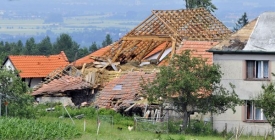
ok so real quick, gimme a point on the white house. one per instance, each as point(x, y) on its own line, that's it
point(34, 68)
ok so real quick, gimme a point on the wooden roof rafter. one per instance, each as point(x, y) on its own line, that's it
point(169, 26)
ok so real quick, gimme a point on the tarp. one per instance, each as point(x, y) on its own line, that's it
point(263, 35)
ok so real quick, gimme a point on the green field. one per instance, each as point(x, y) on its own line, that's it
point(49, 125)
point(70, 24)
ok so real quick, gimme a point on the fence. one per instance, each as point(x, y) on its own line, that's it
point(157, 125)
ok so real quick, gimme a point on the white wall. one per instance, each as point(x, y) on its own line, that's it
point(9, 65)
point(233, 67)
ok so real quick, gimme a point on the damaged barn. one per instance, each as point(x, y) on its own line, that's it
point(123, 94)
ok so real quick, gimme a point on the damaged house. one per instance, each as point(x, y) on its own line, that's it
point(114, 71)
point(247, 59)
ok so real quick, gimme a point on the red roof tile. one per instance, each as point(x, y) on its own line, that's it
point(129, 89)
point(65, 83)
point(87, 59)
point(38, 65)
point(200, 49)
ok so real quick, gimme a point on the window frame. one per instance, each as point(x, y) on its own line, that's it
point(254, 115)
point(255, 68)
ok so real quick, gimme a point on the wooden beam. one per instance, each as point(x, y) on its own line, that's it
point(145, 51)
point(168, 26)
point(131, 46)
point(173, 47)
point(146, 38)
point(118, 52)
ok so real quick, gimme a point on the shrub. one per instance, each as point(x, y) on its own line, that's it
point(199, 128)
point(174, 126)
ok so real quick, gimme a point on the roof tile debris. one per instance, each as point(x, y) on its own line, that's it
point(64, 83)
point(38, 65)
point(113, 97)
point(87, 59)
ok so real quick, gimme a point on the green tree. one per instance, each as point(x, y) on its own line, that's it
point(31, 47)
point(191, 85)
point(20, 47)
point(45, 46)
point(15, 92)
point(82, 52)
point(207, 4)
point(266, 101)
point(108, 40)
point(241, 22)
point(65, 43)
point(93, 47)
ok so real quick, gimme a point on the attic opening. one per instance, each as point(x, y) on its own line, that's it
point(118, 87)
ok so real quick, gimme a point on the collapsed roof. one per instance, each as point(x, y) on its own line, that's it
point(123, 91)
point(161, 31)
point(170, 27)
point(64, 83)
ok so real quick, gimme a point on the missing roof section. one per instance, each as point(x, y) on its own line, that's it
point(118, 87)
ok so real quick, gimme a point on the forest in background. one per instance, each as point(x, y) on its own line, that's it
point(64, 43)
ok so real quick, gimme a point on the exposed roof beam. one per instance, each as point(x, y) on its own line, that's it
point(146, 38)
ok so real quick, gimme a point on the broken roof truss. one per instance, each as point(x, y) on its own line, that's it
point(171, 26)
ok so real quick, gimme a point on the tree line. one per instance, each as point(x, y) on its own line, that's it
point(45, 47)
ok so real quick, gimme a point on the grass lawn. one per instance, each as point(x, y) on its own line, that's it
point(49, 125)
point(109, 132)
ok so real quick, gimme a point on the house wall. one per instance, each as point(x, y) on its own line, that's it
point(233, 67)
point(9, 65)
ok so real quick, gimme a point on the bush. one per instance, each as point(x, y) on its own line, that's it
point(118, 118)
point(199, 128)
point(174, 126)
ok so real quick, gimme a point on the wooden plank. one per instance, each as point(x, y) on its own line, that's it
point(83, 68)
point(113, 65)
point(173, 48)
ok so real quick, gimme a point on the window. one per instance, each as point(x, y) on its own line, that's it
point(256, 69)
point(253, 113)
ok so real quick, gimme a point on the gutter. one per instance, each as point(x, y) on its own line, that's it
point(241, 52)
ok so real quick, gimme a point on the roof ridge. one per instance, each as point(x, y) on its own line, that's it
point(62, 53)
